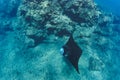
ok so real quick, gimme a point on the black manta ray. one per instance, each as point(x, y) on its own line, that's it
point(72, 52)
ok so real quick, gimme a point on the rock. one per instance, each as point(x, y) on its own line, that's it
point(95, 64)
point(59, 16)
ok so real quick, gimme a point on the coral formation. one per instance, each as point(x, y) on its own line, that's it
point(58, 18)
point(33, 39)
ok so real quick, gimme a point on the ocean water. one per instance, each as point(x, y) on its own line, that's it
point(31, 39)
point(110, 6)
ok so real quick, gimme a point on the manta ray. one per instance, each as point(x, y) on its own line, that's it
point(72, 52)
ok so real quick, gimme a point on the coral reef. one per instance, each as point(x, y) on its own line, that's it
point(41, 27)
point(58, 18)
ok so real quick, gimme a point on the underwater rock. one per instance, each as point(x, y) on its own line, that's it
point(37, 39)
point(58, 15)
point(53, 21)
point(80, 11)
point(95, 64)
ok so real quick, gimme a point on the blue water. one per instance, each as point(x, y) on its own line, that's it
point(9, 7)
point(111, 6)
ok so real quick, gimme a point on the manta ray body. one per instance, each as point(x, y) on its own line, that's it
point(72, 52)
